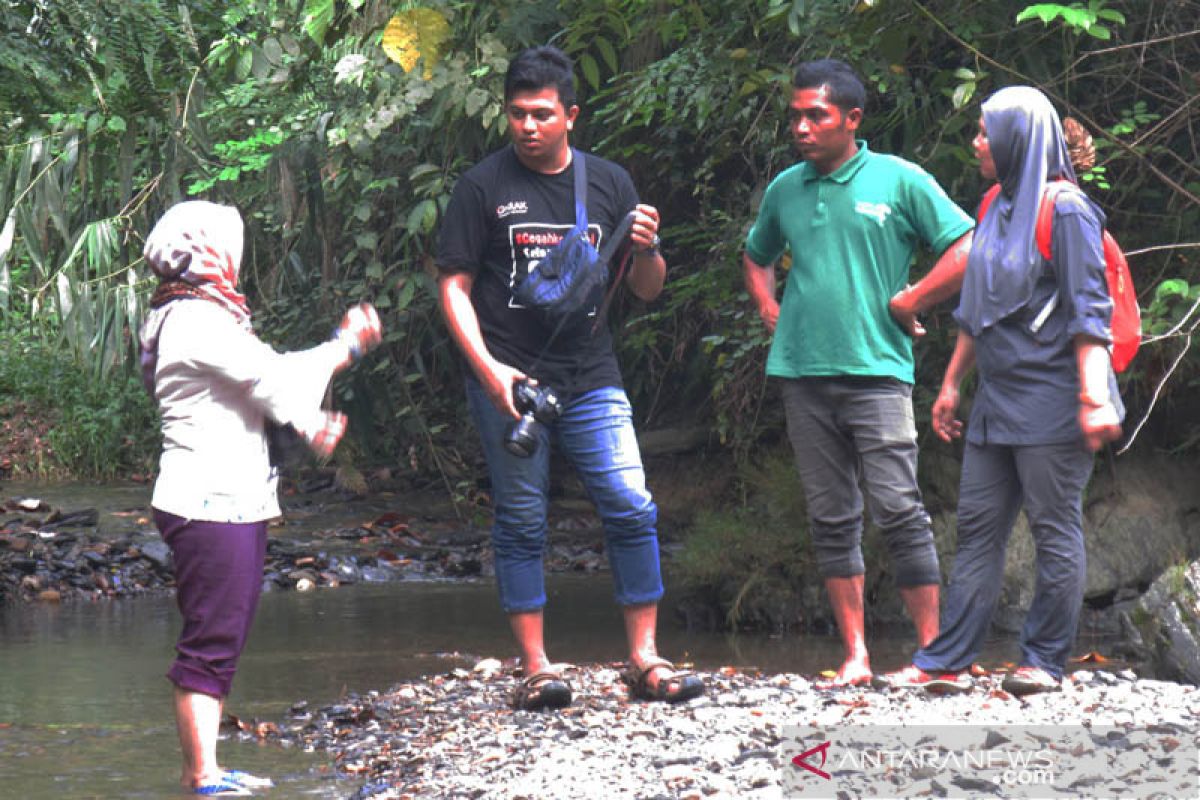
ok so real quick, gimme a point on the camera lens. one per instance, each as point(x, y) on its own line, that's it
point(520, 439)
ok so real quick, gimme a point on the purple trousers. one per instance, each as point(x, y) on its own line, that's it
point(218, 578)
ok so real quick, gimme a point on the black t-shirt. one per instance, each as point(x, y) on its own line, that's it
point(502, 217)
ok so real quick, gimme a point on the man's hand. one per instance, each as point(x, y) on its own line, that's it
point(497, 381)
point(946, 424)
point(903, 309)
point(942, 282)
point(760, 285)
point(1099, 423)
point(768, 311)
point(644, 231)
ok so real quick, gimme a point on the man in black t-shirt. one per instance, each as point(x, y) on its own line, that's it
point(505, 215)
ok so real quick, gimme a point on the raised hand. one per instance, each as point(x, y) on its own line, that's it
point(359, 330)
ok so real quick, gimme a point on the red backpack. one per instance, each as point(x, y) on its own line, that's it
point(1126, 315)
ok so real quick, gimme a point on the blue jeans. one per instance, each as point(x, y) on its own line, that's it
point(847, 429)
point(596, 434)
point(996, 480)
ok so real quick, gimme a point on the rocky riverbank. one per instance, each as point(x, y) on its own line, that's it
point(455, 736)
point(52, 554)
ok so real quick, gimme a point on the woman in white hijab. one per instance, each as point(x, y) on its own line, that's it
point(217, 385)
point(1037, 330)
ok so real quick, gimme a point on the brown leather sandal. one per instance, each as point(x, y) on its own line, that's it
point(545, 689)
point(681, 685)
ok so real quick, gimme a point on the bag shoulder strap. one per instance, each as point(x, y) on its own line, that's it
point(581, 217)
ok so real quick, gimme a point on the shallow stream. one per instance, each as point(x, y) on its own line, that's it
point(85, 709)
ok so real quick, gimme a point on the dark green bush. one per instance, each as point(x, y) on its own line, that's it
point(750, 564)
point(62, 421)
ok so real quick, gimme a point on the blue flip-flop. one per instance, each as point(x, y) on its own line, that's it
point(222, 788)
point(246, 780)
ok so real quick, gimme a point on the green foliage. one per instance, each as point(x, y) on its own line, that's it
point(96, 429)
point(1078, 17)
point(1132, 119)
point(751, 562)
point(342, 162)
point(1172, 299)
point(241, 158)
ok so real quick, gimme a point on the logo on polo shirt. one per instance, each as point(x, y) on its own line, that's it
point(876, 211)
point(508, 209)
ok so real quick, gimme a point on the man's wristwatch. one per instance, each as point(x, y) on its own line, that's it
point(652, 250)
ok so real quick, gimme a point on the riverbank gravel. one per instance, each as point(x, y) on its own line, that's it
point(455, 735)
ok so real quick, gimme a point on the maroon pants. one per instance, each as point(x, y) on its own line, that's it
point(218, 578)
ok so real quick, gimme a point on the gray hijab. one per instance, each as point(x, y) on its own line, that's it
point(1027, 145)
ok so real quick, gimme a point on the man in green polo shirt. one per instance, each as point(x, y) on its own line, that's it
point(852, 220)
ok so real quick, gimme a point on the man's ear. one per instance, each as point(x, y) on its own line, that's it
point(572, 113)
point(853, 119)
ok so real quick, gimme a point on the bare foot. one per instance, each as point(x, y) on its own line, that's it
point(854, 672)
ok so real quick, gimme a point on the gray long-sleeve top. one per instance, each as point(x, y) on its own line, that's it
point(1028, 388)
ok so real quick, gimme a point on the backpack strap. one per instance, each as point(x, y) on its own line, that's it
point(1045, 217)
point(1042, 235)
point(986, 202)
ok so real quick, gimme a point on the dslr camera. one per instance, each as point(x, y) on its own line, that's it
point(537, 404)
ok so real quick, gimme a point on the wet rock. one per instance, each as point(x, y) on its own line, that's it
point(59, 519)
point(26, 565)
point(158, 553)
point(302, 574)
point(348, 572)
point(377, 574)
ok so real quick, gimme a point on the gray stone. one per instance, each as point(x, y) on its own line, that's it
point(1168, 621)
point(158, 553)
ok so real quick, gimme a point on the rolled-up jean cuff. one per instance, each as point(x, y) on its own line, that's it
point(637, 600)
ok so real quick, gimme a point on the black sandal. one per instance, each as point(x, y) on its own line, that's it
point(681, 685)
point(545, 689)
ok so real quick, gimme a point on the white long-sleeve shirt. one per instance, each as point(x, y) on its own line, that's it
point(216, 383)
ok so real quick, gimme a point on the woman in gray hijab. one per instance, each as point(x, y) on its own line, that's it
point(1037, 330)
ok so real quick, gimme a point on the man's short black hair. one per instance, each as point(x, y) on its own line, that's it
point(539, 67)
point(845, 88)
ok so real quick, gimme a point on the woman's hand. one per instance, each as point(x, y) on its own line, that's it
point(1099, 423)
point(945, 409)
point(324, 432)
point(360, 330)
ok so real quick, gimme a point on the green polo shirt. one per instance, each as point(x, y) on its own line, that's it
point(852, 235)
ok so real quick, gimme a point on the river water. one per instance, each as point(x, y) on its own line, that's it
point(85, 711)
